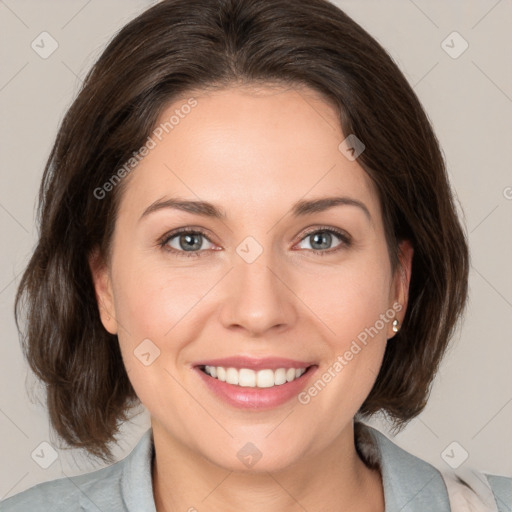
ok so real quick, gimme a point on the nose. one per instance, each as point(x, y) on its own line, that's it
point(258, 298)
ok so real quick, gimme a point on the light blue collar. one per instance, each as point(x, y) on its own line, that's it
point(410, 484)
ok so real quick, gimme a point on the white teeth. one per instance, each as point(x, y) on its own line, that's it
point(246, 377)
point(221, 373)
point(265, 378)
point(232, 376)
point(280, 376)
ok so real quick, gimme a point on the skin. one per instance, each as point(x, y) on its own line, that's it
point(253, 152)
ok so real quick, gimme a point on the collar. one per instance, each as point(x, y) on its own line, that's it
point(409, 482)
point(136, 479)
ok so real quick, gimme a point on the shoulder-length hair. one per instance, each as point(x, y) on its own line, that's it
point(182, 45)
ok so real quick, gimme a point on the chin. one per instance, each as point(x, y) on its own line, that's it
point(254, 457)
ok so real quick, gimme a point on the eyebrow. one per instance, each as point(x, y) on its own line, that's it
point(299, 209)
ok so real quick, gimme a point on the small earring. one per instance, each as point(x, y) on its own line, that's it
point(395, 325)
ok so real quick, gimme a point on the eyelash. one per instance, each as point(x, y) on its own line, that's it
point(345, 241)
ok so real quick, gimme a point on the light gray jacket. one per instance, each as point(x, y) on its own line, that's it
point(410, 485)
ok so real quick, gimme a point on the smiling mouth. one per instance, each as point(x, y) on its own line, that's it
point(246, 377)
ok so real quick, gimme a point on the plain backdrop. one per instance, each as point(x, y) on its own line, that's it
point(467, 95)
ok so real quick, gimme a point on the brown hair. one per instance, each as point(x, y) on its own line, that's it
point(182, 45)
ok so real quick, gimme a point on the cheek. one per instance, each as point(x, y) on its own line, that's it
point(157, 310)
point(352, 302)
point(151, 298)
point(351, 296)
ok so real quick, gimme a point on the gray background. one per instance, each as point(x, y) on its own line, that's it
point(469, 100)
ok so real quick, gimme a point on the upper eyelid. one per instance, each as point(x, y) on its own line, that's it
point(181, 231)
point(336, 231)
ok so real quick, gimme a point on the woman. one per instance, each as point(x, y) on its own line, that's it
point(229, 237)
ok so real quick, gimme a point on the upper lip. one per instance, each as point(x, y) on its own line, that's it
point(271, 363)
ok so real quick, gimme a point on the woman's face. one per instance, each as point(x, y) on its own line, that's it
point(268, 284)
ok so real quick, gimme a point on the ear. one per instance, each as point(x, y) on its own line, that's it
point(103, 287)
point(401, 281)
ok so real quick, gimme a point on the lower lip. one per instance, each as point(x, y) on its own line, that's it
point(256, 398)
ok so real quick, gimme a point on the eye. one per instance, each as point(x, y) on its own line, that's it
point(321, 240)
point(185, 242)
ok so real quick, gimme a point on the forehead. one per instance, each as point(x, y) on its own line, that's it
point(250, 149)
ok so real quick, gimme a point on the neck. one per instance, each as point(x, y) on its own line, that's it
point(334, 479)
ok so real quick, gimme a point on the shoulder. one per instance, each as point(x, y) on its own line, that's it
point(411, 483)
point(104, 489)
point(476, 491)
point(66, 493)
point(502, 489)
